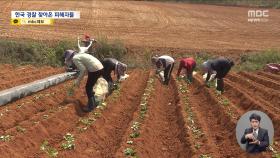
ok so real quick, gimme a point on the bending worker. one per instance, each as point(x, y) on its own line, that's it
point(167, 63)
point(111, 64)
point(86, 62)
point(222, 66)
point(189, 65)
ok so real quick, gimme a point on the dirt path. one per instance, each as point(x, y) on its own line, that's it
point(104, 137)
point(163, 133)
point(11, 77)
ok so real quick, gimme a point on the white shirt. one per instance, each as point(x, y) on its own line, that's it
point(256, 130)
point(86, 62)
point(83, 49)
point(169, 60)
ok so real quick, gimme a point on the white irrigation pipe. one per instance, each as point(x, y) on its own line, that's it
point(21, 91)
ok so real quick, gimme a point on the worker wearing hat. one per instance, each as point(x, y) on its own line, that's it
point(94, 68)
point(221, 66)
point(88, 44)
point(111, 64)
point(166, 63)
point(189, 65)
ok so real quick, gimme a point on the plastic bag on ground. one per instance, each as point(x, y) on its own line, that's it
point(124, 77)
point(272, 67)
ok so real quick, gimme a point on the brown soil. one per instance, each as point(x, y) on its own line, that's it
point(150, 24)
point(165, 131)
point(13, 76)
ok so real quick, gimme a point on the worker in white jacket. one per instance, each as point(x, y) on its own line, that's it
point(86, 63)
point(89, 42)
point(84, 49)
point(166, 63)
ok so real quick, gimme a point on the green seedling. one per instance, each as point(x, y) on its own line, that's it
point(204, 156)
point(183, 89)
point(45, 117)
point(20, 129)
point(197, 146)
point(142, 114)
point(97, 114)
point(69, 144)
point(197, 133)
point(144, 99)
point(116, 86)
point(225, 102)
point(82, 129)
point(87, 121)
point(134, 135)
point(143, 107)
point(37, 97)
point(129, 152)
point(19, 105)
point(52, 152)
point(135, 126)
point(5, 138)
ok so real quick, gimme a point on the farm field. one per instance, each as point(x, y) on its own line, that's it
point(180, 121)
point(150, 24)
point(142, 118)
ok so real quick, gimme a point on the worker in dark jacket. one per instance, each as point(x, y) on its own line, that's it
point(167, 63)
point(111, 64)
point(188, 64)
point(222, 66)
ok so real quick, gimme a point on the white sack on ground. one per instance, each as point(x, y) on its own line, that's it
point(101, 89)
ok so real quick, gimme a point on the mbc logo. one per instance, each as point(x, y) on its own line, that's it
point(258, 13)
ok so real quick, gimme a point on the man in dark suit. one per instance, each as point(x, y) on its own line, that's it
point(255, 138)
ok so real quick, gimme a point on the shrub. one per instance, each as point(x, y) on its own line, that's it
point(256, 61)
point(106, 49)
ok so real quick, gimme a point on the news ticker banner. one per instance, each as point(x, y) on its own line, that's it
point(41, 17)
